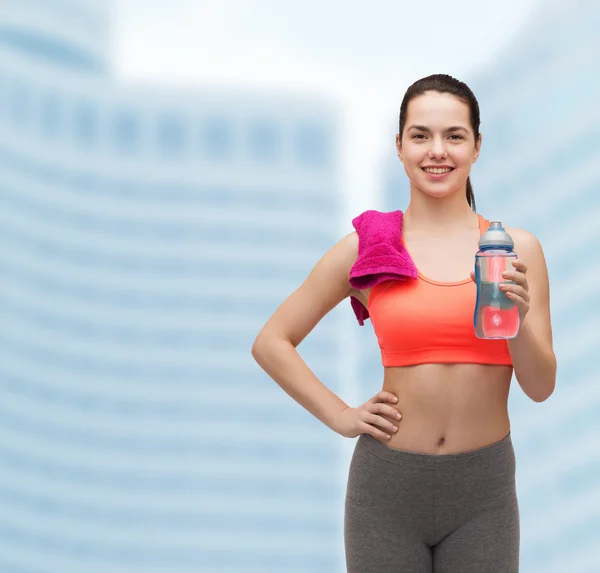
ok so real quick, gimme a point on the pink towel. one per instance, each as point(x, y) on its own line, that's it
point(381, 255)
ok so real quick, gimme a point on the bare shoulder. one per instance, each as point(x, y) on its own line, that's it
point(348, 253)
point(346, 249)
point(325, 287)
point(526, 243)
point(335, 264)
point(530, 251)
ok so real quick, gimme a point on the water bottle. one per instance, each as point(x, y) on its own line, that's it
point(496, 316)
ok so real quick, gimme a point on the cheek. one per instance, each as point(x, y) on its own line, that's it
point(413, 157)
point(462, 156)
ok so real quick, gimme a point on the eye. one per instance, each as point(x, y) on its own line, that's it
point(417, 136)
point(456, 135)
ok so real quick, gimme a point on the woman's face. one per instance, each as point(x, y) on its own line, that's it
point(438, 145)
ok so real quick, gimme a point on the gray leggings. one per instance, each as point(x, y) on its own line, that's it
point(408, 512)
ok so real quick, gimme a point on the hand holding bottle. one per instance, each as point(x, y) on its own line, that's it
point(519, 291)
point(501, 286)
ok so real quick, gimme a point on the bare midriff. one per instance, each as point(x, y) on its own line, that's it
point(448, 408)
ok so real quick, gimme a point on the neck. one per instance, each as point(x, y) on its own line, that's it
point(439, 214)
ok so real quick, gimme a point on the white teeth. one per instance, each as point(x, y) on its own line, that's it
point(436, 170)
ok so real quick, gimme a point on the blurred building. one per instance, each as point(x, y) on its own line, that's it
point(146, 236)
point(538, 171)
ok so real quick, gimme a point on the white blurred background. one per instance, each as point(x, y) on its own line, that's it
point(362, 56)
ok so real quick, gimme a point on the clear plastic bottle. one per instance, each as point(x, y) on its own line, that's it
point(496, 316)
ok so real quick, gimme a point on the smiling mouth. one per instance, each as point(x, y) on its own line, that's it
point(437, 170)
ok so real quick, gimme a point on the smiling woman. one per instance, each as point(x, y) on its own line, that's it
point(433, 470)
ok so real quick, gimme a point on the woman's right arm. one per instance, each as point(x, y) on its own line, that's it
point(275, 345)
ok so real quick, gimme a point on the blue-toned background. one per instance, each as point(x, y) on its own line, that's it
point(149, 228)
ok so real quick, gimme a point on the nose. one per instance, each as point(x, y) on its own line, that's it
point(437, 149)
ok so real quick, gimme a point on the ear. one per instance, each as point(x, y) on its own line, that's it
point(477, 148)
point(399, 147)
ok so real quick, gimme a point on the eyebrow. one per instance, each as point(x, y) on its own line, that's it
point(425, 128)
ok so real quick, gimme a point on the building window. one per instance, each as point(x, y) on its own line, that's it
point(216, 135)
point(51, 115)
point(126, 132)
point(19, 104)
point(264, 143)
point(85, 124)
point(171, 135)
point(312, 146)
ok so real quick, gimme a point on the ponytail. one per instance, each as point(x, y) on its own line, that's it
point(470, 195)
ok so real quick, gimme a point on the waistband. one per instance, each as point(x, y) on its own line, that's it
point(494, 450)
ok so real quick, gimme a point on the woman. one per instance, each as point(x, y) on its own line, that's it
point(432, 478)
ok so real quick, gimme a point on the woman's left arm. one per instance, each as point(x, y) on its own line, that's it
point(531, 351)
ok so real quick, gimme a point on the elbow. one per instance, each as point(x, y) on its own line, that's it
point(552, 377)
point(542, 397)
point(269, 340)
point(262, 345)
point(257, 347)
point(550, 385)
point(541, 392)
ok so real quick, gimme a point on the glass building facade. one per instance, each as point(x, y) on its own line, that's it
point(146, 235)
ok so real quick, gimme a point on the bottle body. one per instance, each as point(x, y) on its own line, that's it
point(496, 316)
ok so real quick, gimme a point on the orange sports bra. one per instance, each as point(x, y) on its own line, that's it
point(420, 321)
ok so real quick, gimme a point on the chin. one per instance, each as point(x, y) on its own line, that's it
point(438, 195)
point(438, 189)
point(437, 192)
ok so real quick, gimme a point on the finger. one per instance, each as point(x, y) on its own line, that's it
point(519, 301)
point(473, 276)
point(384, 396)
point(387, 410)
point(519, 264)
point(371, 430)
point(517, 277)
point(516, 290)
point(380, 422)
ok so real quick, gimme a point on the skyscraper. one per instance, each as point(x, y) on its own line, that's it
point(146, 235)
